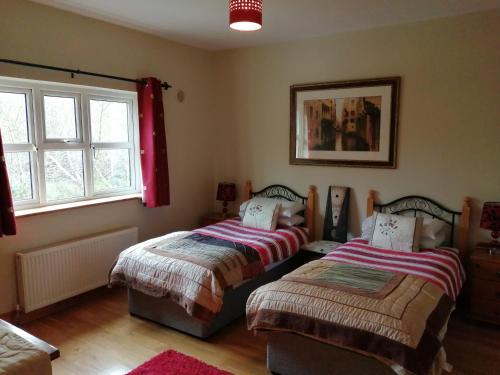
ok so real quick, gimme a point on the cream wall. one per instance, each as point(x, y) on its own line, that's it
point(234, 122)
point(44, 35)
point(449, 128)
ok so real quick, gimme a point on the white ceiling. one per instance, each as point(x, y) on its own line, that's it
point(204, 23)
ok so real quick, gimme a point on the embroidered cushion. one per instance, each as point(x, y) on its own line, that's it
point(288, 208)
point(261, 214)
point(396, 232)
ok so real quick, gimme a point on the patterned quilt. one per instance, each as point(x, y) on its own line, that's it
point(193, 269)
point(19, 357)
point(387, 304)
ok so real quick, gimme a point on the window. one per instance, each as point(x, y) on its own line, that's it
point(66, 143)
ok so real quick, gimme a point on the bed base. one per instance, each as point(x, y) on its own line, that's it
point(292, 354)
point(165, 312)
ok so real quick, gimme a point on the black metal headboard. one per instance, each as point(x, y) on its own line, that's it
point(417, 204)
point(280, 192)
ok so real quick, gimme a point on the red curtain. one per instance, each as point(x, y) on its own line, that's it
point(7, 218)
point(153, 144)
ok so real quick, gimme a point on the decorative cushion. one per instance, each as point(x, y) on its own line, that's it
point(288, 208)
point(261, 214)
point(396, 232)
point(290, 221)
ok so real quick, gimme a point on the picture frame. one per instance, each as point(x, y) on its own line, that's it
point(345, 123)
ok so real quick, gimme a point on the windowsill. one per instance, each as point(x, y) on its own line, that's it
point(68, 206)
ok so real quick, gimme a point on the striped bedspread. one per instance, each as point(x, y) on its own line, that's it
point(393, 306)
point(272, 246)
point(439, 266)
point(193, 269)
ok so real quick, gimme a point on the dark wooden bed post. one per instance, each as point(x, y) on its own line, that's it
point(463, 227)
point(247, 191)
point(310, 212)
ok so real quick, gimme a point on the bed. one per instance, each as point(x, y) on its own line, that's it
point(319, 326)
point(198, 281)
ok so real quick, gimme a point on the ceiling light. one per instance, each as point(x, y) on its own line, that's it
point(245, 15)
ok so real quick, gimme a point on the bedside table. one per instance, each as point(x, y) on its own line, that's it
point(316, 250)
point(485, 286)
point(216, 217)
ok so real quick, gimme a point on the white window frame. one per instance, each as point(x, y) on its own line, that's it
point(133, 134)
point(77, 97)
point(35, 91)
point(30, 146)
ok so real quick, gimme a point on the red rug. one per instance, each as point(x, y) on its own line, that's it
point(171, 362)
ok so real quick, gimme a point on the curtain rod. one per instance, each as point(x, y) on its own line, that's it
point(165, 85)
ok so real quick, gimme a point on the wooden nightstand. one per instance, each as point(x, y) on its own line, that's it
point(485, 286)
point(316, 250)
point(216, 217)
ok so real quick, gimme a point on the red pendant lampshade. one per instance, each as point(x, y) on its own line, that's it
point(245, 15)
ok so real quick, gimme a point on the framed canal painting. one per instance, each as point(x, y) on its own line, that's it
point(348, 123)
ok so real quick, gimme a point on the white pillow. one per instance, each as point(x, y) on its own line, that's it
point(396, 232)
point(261, 215)
point(288, 208)
point(367, 228)
point(433, 233)
point(429, 243)
point(291, 221)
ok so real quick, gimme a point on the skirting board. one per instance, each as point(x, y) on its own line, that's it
point(17, 317)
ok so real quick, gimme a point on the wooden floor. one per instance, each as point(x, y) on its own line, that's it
point(100, 337)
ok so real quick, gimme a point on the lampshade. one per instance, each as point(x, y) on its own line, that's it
point(245, 15)
point(226, 192)
point(490, 218)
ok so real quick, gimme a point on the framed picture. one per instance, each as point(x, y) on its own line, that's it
point(348, 123)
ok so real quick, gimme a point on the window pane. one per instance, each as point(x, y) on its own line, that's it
point(64, 174)
point(19, 170)
point(60, 117)
point(108, 121)
point(13, 118)
point(111, 169)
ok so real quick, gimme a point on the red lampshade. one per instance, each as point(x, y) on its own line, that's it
point(226, 192)
point(245, 15)
point(490, 219)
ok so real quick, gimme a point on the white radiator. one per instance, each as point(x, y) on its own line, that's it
point(64, 270)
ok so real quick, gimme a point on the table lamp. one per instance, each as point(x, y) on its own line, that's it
point(226, 192)
point(490, 220)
